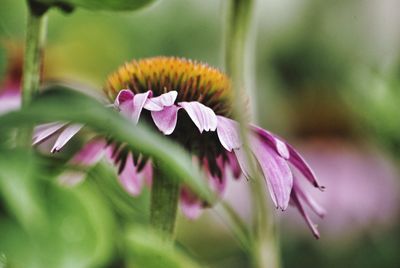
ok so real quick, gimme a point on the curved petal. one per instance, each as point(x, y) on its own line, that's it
point(298, 161)
point(243, 162)
point(129, 177)
point(65, 136)
point(280, 146)
point(123, 96)
point(164, 100)
point(166, 119)
point(228, 133)
point(44, 131)
point(276, 171)
point(131, 105)
point(320, 211)
point(202, 116)
point(191, 206)
point(89, 155)
point(138, 103)
point(234, 164)
point(296, 202)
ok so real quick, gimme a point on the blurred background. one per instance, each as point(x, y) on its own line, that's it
point(327, 78)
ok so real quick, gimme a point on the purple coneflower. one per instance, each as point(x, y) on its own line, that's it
point(192, 104)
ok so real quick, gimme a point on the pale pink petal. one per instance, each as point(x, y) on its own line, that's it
point(166, 119)
point(243, 162)
point(298, 161)
point(164, 100)
point(123, 96)
point(228, 133)
point(10, 100)
point(89, 155)
point(44, 131)
point(202, 116)
point(217, 182)
point(129, 177)
point(276, 171)
point(296, 202)
point(65, 136)
point(138, 103)
point(320, 211)
point(279, 145)
point(124, 102)
point(191, 206)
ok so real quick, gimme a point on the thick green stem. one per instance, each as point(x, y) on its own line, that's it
point(33, 58)
point(35, 39)
point(164, 204)
point(239, 66)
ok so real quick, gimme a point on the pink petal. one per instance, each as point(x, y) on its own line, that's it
point(89, 155)
point(131, 105)
point(10, 100)
point(298, 161)
point(299, 205)
point(217, 184)
point(164, 100)
point(279, 145)
point(138, 103)
point(276, 172)
point(65, 136)
point(202, 116)
point(191, 206)
point(228, 133)
point(124, 102)
point(166, 119)
point(243, 162)
point(234, 164)
point(44, 131)
point(131, 180)
point(320, 211)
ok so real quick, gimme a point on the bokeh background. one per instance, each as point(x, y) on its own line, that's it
point(327, 78)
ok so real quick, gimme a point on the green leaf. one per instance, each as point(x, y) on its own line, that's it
point(114, 5)
point(60, 104)
point(145, 249)
point(47, 225)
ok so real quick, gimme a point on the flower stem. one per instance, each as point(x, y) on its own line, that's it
point(33, 58)
point(34, 43)
point(239, 65)
point(164, 204)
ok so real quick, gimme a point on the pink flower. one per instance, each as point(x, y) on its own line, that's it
point(190, 103)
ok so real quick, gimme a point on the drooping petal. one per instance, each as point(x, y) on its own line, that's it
point(89, 155)
point(138, 103)
point(131, 105)
point(164, 100)
point(234, 165)
point(129, 177)
point(191, 206)
point(308, 200)
point(216, 178)
point(228, 133)
point(276, 171)
point(279, 145)
point(202, 116)
point(166, 119)
point(65, 136)
point(123, 96)
point(124, 102)
point(44, 131)
point(298, 161)
point(296, 202)
point(243, 162)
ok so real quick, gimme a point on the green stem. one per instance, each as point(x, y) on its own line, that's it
point(35, 39)
point(33, 58)
point(164, 204)
point(238, 63)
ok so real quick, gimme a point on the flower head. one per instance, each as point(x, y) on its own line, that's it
point(191, 103)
